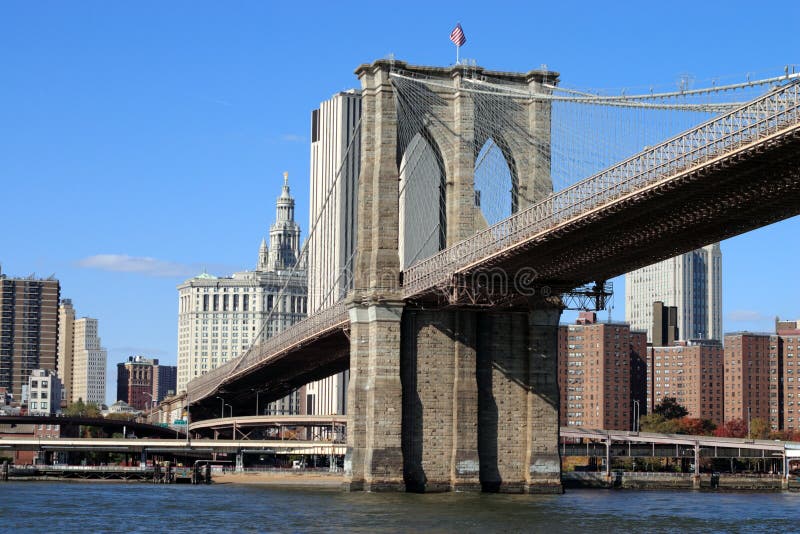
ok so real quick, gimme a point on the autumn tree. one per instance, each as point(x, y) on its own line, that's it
point(735, 428)
point(759, 429)
point(695, 426)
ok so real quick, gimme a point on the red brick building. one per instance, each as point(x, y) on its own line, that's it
point(600, 369)
point(690, 371)
point(752, 377)
point(788, 333)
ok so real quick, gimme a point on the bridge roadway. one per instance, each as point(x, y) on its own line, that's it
point(237, 424)
point(732, 174)
point(112, 425)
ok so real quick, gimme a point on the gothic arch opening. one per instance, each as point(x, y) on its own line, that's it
point(496, 184)
point(422, 209)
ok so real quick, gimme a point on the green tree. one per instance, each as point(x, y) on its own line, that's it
point(670, 409)
point(654, 422)
point(121, 416)
point(82, 409)
point(759, 429)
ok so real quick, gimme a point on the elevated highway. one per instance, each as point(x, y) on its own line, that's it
point(110, 426)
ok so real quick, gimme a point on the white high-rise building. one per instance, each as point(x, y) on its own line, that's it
point(88, 363)
point(692, 282)
point(335, 164)
point(81, 359)
point(219, 318)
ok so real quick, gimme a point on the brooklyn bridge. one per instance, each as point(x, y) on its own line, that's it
point(487, 203)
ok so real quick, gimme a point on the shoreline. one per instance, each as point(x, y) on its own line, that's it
point(315, 479)
point(622, 481)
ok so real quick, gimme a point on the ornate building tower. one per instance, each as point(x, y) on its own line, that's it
point(284, 235)
point(221, 318)
point(263, 256)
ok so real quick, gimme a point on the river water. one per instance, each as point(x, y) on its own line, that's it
point(56, 508)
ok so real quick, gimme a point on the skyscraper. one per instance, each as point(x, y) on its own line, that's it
point(88, 364)
point(219, 318)
point(66, 349)
point(166, 381)
point(335, 165)
point(692, 282)
point(28, 329)
point(81, 358)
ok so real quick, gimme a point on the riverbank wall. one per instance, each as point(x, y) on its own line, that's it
point(680, 481)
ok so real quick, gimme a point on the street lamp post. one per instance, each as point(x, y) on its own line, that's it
point(188, 418)
point(222, 408)
point(636, 415)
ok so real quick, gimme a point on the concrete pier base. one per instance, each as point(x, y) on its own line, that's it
point(374, 460)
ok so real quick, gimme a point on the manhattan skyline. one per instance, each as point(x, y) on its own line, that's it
point(143, 144)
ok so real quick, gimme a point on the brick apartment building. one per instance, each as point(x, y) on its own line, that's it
point(788, 333)
point(28, 329)
point(690, 371)
point(752, 377)
point(600, 373)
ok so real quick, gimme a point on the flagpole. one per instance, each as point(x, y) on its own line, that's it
point(458, 47)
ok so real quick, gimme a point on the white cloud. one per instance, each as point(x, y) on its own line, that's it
point(747, 316)
point(123, 263)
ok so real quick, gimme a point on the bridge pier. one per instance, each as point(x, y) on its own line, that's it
point(374, 460)
point(480, 401)
point(440, 401)
point(518, 401)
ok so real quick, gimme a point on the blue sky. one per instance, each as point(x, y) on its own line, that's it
point(156, 133)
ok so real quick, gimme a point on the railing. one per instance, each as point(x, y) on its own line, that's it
point(764, 116)
point(82, 468)
point(310, 327)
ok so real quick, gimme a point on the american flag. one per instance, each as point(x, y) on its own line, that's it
point(457, 35)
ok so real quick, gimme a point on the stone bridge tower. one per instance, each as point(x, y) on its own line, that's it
point(448, 397)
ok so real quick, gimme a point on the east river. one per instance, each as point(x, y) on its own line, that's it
point(57, 508)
